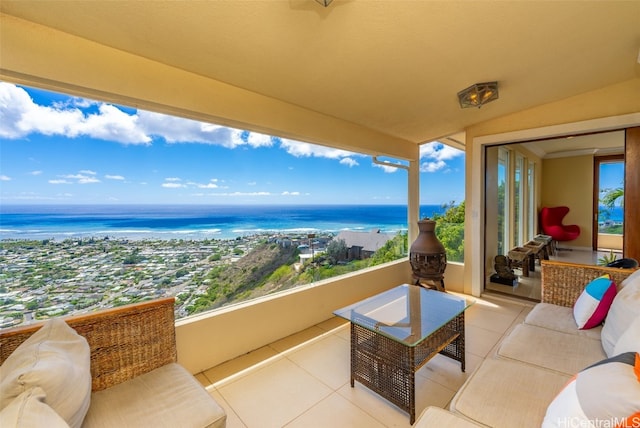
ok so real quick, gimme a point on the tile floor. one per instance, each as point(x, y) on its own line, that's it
point(303, 380)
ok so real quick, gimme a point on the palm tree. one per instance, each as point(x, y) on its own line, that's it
point(611, 196)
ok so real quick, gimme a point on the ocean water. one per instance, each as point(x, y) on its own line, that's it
point(195, 221)
point(615, 214)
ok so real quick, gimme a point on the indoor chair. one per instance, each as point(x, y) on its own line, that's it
point(551, 223)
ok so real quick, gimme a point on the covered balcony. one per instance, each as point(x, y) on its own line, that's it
point(378, 78)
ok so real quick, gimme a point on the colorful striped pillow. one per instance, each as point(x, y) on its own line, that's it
point(607, 394)
point(593, 304)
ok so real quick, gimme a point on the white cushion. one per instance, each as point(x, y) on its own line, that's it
point(29, 410)
point(605, 394)
point(553, 350)
point(168, 396)
point(630, 339)
point(559, 318)
point(504, 393)
point(56, 359)
point(438, 417)
point(624, 310)
point(633, 277)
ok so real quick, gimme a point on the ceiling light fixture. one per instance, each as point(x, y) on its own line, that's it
point(325, 3)
point(478, 94)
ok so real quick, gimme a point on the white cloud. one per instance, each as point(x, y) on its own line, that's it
point(209, 185)
point(179, 130)
point(114, 177)
point(172, 185)
point(5, 178)
point(59, 181)
point(88, 172)
point(20, 116)
point(35, 172)
point(432, 166)
point(386, 168)
point(85, 177)
point(173, 179)
point(350, 162)
point(436, 156)
point(300, 149)
point(286, 193)
point(259, 140)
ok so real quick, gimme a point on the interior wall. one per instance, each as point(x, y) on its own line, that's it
point(568, 181)
point(611, 107)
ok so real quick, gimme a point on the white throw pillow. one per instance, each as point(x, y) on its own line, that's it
point(607, 394)
point(29, 410)
point(56, 359)
point(630, 339)
point(623, 311)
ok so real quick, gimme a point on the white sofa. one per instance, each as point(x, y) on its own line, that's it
point(113, 368)
point(515, 386)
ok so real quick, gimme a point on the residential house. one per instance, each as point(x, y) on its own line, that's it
point(362, 245)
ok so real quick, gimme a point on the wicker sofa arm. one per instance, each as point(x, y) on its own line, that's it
point(125, 342)
point(563, 282)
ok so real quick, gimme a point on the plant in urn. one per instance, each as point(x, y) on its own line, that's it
point(428, 256)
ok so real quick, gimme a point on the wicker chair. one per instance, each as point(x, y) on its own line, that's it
point(126, 343)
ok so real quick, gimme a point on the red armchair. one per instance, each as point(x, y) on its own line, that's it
point(551, 223)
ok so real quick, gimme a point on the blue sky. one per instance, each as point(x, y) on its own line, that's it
point(611, 175)
point(57, 149)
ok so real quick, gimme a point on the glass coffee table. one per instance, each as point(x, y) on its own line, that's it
point(395, 333)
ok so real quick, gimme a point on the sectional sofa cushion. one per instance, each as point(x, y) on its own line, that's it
point(607, 393)
point(56, 359)
point(624, 310)
point(504, 393)
point(147, 399)
point(29, 410)
point(438, 417)
point(630, 339)
point(633, 277)
point(553, 350)
point(559, 318)
point(594, 302)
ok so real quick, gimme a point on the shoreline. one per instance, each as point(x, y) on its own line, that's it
point(177, 234)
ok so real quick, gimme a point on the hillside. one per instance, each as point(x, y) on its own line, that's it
point(246, 278)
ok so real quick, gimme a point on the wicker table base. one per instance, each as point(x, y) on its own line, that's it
point(388, 367)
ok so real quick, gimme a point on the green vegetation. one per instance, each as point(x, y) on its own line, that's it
point(607, 258)
point(450, 230)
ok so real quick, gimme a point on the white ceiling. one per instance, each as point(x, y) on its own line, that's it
point(601, 144)
point(394, 66)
